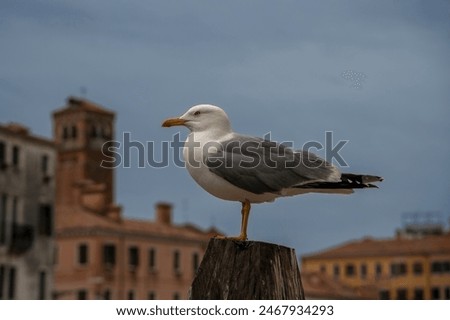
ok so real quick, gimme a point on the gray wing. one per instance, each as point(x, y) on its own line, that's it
point(260, 166)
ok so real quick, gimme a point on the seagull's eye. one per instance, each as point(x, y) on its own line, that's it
point(196, 113)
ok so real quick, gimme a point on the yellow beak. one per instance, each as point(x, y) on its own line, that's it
point(173, 122)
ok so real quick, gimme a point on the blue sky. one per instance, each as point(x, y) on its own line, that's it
point(276, 67)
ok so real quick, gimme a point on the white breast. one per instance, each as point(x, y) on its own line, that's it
point(212, 183)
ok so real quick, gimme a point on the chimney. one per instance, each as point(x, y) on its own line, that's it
point(163, 213)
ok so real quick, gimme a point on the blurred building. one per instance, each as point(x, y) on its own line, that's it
point(100, 254)
point(27, 188)
point(413, 265)
point(319, 286)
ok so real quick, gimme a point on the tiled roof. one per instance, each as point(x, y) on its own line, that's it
point(317, 285)
point(19, 131)
point(369, 247)
point(77, 221)
point(75, 104)
point(162, 229)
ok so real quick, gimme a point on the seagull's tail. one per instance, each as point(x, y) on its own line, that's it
point(348, 181)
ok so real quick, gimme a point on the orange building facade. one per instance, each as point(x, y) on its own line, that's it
point(100, 254)
point(398, 268)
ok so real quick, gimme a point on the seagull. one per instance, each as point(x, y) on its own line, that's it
point(237, 167)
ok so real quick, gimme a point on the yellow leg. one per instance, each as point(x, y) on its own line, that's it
point(245, 212)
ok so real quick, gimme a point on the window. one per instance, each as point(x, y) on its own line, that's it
point(378, 270)
point(65, 134)
point(195, 262)
point(3, 200)
point(152, 259)
point(83, 254)
point(15, 205)
point(93, 132)
point(82, 294)
point(44, 164)
point(107, 295)
point(323, 269)
point(446, 266)
point(440, 267)
point(350, 270)
point(398, 269)
point(402, 294)
point(417, 268)
point(384, 295)
point(15, 156)
point(2, 155)
point(45, 227)
point(42, 285)
point(363, 271)
point(176, 260)
point(2, 280)
point(436, 267)
point(133, 256)
point(14, 217)
point(12, 283)
point(435, 293)
point(109, 254)
point(176, 296)
point(131, 295)
point(152, 295)
point(336, 271)
point(418, 294)
point(74, 132)
point(447, 293)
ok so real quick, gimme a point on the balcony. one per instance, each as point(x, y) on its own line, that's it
point(22, 238)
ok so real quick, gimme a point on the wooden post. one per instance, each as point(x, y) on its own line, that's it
point(247, 270)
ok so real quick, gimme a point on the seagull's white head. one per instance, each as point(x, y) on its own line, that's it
point(202, 117)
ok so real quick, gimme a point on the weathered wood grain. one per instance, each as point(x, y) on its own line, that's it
point(247, 270)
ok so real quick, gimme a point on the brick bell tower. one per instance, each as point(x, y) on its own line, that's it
point(80, 129)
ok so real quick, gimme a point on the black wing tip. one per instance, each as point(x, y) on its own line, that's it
point(348, 181)
point(361, 178)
